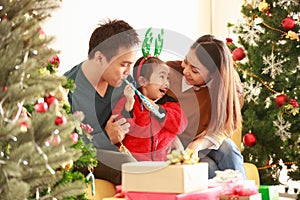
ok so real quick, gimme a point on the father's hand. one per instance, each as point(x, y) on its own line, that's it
point(116, 129)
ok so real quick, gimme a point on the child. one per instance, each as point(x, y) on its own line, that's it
point(150, 136)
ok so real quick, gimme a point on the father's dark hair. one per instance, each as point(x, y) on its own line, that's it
point(110, 36)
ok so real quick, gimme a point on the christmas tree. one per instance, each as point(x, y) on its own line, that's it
point(267, 56)
point(40, 141)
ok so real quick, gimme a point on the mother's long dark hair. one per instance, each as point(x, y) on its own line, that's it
point(226, 101)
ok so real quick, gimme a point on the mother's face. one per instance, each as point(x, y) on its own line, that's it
point(194, 71)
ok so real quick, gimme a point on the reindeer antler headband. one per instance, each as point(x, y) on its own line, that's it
point(159, 42)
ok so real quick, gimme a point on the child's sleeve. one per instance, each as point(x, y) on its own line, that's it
point(120, 109)
point(176, 120)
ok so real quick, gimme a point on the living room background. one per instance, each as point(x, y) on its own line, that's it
point(74, 21)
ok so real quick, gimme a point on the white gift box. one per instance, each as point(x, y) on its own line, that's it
point(150, 176)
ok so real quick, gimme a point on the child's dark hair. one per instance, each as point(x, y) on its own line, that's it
point(146, 69)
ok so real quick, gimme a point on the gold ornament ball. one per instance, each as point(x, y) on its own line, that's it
point(263, 6)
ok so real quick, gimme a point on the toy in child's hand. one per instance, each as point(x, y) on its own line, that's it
point(146, 101)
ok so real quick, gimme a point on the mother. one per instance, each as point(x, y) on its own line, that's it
point(209, 90)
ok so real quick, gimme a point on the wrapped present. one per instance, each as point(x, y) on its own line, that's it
point(237, 197)
point(207, 194)
point(159, 176)
point(119, 192)
point(290, 190)
point(269, 192)
point(240, 190)
point(288, 196)
point(182, 173)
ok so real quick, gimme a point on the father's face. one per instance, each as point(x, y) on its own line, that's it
point(119, 66)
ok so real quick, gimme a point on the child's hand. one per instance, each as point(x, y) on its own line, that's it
point(129, 94)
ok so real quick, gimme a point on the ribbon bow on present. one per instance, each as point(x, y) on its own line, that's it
point(119, 192)
point(240, 188)
point(228, 175)
point(234, 185)
point(182, 157)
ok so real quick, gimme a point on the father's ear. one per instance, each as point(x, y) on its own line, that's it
point(142, 81)
point(98, 56)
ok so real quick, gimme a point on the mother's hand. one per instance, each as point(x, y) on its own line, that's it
point(200, 144)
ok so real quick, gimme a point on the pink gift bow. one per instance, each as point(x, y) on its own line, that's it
point(119, 192)
point(240, 189)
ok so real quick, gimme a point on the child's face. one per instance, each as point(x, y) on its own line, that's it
point(158, 84)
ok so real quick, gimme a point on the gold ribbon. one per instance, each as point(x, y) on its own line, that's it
point(122, 147)
point(182, 157)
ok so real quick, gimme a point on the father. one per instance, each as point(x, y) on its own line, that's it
point(99, 84)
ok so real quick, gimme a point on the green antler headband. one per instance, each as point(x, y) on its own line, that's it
point(159, 42)
point(147, 43)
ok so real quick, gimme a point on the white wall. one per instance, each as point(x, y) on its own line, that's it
point(224, 11)
point(73, 23)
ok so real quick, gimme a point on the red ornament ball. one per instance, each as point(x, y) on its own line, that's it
point(4, 17)
point(288, 23)
point(41, 107)
point(229, 40)
point(60, 120)
point(74, 137)
point(281, 99)
point(4, 88)
point(249, 139)
point(269, 14)
point(55, 61)
point(50, 99)
point(294, 103)
point(238, 54)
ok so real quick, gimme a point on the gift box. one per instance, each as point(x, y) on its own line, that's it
point(269, 192)
point(147, 176)
point(240, 190)
point(207, 194)
point(236, 197)
point(288, 196)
